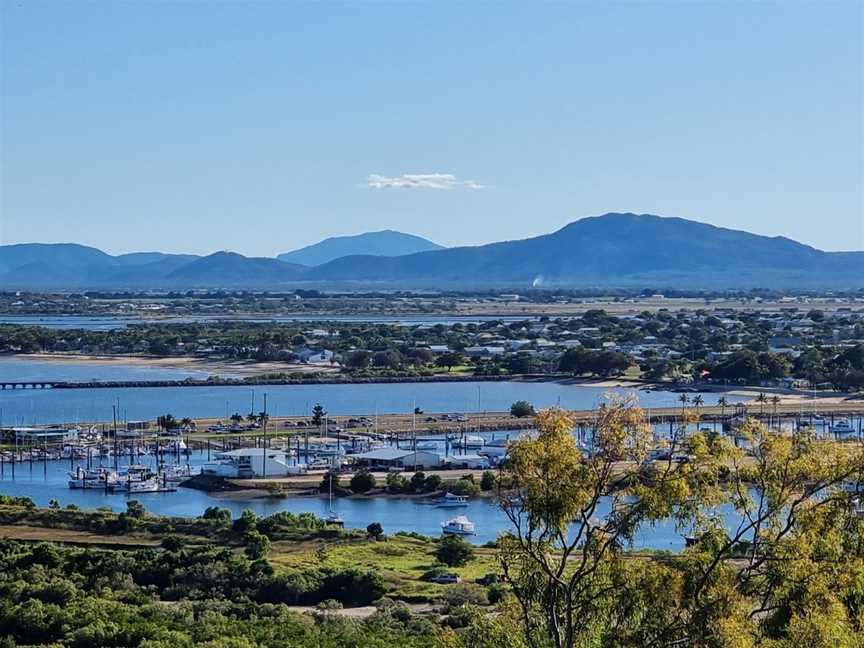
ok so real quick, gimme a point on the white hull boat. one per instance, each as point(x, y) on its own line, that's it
point(459, 525)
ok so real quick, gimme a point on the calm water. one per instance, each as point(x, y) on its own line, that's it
point(47, 480)
point(35, 406)
point(111, 323)
point(26, 369)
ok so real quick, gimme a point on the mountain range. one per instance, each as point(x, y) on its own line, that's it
point(612, 250)
point(384, 243)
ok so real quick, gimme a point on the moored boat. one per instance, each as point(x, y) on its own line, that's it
point(452, 501)
point(460, 525)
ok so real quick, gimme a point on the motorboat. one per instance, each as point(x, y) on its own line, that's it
point(460, 525)
point(148, 485)
point(427, 445)
point(452, 501)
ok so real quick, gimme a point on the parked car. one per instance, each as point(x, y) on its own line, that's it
point(446, 579)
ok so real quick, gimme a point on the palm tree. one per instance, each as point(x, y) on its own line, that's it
point(775, 401)
point(761, 399)
point(698, 401)
point(722, 402)
point(186, 422)
point(684, 400)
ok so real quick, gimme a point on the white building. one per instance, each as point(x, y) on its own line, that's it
point(387, 458)
point(253, 462)
point(38, 436)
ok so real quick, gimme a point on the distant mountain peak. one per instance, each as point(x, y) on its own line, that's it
point(386, 242)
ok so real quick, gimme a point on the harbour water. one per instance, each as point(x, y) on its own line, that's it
point(46, 481)
point(36, 406)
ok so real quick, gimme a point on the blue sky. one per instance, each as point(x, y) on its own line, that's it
point(261, 127)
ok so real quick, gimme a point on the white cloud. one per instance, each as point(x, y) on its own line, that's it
point(420, 181)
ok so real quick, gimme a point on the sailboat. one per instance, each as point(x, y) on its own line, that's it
point(332, 516)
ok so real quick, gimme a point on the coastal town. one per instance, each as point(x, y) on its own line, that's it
point(431, 324)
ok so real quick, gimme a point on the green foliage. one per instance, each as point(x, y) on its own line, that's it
point(396, 483)
point(246, 522)
point(464, 486)
point(521, 409)
point(362, 482)
point(257, 545)
point(318, 415)
point(89, 598)
point(375, 530)
point(488, 481)
point(432, 483)
point(453, 551)
point(217, 514)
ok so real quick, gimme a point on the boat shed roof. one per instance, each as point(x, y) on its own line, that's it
point(385, 454)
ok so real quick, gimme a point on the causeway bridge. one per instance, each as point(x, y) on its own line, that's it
point(27, 385)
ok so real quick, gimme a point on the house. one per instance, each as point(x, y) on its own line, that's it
point(484, 351)
point(314, 356)
point(388, 458)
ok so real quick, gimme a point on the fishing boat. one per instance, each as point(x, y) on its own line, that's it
point(452, 501)
point(460, 525)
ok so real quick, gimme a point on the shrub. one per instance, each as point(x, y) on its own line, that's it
point(216, 513)
point(453, 551)
point(135, 509)
point(418, 481)
point(329, 476)
point(432, 483)
point(521, 409)
point(246, 522)
point(488, 481)
point(275, 490)
point(375, 530)
point(362, 482)
point(464, 487)
point(466, 593)
point(257, 545)
point(495, 593)
point(396, 483)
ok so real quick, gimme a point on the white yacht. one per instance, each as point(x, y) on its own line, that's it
point(469, 441)
point(460, 525)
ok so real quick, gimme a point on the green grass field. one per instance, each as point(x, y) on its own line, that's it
point(401, 560)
